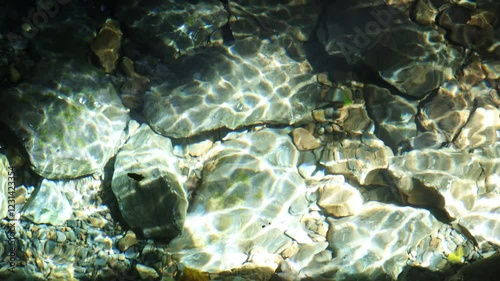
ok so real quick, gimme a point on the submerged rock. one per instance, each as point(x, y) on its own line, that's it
point(462, 184)
point(368, 246)
point(447, 112)
point(5, 172)
point(251, 83)
point(362, 155)
point(483, 270)
point(394, 115)
point(170, 28)
point(443, 179)
point(106, 45)
point(481, 128)
point(442, 249)
point(149, 187)
point(248, 205)
point(339, 199)
point(304, 140)
point(417, 59)
point(68, 118)
point(48, 204)
point(263, 19)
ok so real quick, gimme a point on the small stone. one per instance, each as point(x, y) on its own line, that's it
point(146, 273)
point(100, 262)
point(127, 241)
point(319, 115)
point(97, 222)
point(472, 75)
point(480, 130)
point(60, 237)
point(329, 129)
point(15, 76)
point(492, 69)
point(106, 45)
point(304, 140)
point(320, 131)
point(340, 200)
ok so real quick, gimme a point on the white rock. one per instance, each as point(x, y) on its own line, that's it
point(48, 204)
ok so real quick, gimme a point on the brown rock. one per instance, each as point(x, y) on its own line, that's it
point(304, 140)
point(134, 88)
point(106, 45)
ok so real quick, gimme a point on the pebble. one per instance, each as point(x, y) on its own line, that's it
point(146, 273)
point(340, 200)
point(304, 140)
point(97, 222)
point(127, 241)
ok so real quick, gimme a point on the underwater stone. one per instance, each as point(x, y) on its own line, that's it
point(417, 59)
point(428, 66)
point(148, 185)
point(432, 140)
point(486, 269)
point(295, 20)
point(106, 45)
point(424, 12)
point(127, 241)
point(447, 112)
point(169, 28)
point(441, 249)
point(48, 204)
point(227, 90)
point(249, 184)
point(304, 140)
point(394, 115)
point(146, 272)
point(369, 245)
point(446, 179)
point(135, 86)
point(481, 128)
point(340, 200)
point(359, 159)
point(68, 117)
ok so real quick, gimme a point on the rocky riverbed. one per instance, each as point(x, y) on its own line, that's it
point(249, 140)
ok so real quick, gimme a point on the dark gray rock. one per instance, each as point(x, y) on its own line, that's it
point(148, 185)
